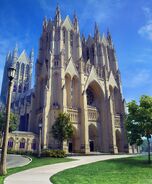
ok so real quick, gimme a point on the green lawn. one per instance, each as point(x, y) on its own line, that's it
point(36, 162)
point(133, 170)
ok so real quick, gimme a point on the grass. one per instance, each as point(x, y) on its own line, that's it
point(36, 162)
point(133, 170)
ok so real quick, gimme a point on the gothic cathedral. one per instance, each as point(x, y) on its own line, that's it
point(79, 76)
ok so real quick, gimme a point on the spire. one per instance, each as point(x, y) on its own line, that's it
point(8, 56)
point(57, 16)
point(15, 53)
point(45, 23)
point(96, 32)
point(32, 56)
point(75, 22)
point(83, 38)
point(109, 37)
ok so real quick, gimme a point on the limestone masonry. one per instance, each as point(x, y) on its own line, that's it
point(79, 76)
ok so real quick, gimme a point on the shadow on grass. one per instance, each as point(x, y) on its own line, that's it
point(140, 161)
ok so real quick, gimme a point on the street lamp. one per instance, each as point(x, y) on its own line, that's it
point(40, 139)
point(11, 74)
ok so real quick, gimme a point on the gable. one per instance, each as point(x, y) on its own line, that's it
point(112, 80)
point(67, 23)
point(93, 77)
point(71, 69)
point(23, 58)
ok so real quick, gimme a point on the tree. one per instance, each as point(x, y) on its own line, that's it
point(13, 122)
point(62, 129)
point(139, 121)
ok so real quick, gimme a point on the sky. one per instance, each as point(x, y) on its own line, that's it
point(130, 24)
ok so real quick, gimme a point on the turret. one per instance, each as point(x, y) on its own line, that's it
point(109, 38)
point(32, 56)
point(8, 57)
point(75, 23)
point(45, 24)
point(96, 32)
point(57, 16)
point(15, 54)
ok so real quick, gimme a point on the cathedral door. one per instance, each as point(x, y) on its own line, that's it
point(70, 147)
point(91, 146)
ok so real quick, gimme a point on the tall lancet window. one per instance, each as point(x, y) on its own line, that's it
point(56, 91)
point(17, 70)
point(71, 39)
point(22, 71)
point(27, 72)
point(64, 35)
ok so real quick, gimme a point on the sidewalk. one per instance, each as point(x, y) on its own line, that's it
point(41, 175)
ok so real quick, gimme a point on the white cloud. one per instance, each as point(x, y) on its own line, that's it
point(146, 30)
point(138, 78)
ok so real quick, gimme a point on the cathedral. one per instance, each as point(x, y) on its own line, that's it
point(79, 76)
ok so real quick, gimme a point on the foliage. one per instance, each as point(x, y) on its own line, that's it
point(21, 152)
point(62, 129)
point(53, 153)
point(139, 121)
point(13, 121)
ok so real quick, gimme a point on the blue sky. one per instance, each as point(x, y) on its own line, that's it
point(130, 23)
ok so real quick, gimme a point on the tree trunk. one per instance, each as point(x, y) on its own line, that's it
point(149, 159)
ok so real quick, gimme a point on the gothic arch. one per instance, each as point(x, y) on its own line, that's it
point(93, 137)
point(97, 91)
point(74, 91)
point(68, 89)
point(117, 100)
point(118, 140)
point(74, 141)
point(56, 89)
point(11, 143)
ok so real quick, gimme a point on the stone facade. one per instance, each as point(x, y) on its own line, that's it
point(23, 141)
point(23, 76)
point(81, 77)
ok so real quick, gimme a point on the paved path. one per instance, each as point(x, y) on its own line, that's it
point(41, 175)
point(16, 161)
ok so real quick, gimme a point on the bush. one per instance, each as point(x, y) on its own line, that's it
point(53, 153)
point(20, 152)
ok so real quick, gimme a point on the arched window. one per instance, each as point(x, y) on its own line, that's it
point(22, 70)
point(64, 35)
point(15, 88)
point(17, 69)
point(27, 71)
point(20, 88)
point(88, 54)
point(22, 143)
point(10, 143)
point(71, 39)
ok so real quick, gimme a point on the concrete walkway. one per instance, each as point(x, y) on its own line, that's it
point(17, 161)
point(41, 175)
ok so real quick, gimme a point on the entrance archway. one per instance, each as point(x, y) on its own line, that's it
point(93, 138)
point(73, 143)
point(118, 140)
point(97, 128)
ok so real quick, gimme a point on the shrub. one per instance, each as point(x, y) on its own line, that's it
point(53, 153)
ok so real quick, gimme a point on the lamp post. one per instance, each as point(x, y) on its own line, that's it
point(40, 139)
point(11, 74)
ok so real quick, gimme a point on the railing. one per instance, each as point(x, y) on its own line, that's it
point(93, 113)
point(73, 115)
